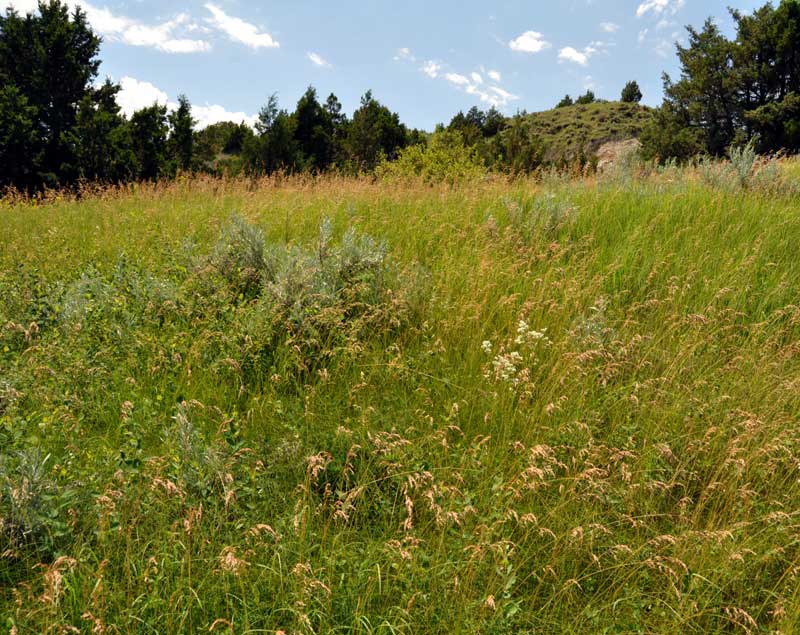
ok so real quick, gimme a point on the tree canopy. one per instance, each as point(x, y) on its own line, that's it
point(51, 60)
point(730, 91)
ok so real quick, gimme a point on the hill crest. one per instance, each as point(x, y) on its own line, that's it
point(570, 131)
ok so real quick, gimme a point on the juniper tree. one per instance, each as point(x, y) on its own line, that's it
point(181, 137)
point(631, 93)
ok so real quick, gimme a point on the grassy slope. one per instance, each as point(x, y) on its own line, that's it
point(640, 477)
point(567, 130)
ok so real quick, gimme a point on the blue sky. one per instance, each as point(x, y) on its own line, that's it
point(425, 59)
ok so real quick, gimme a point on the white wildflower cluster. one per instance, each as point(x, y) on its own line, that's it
point(506, 367)
point(514, 366)
point(526, 336)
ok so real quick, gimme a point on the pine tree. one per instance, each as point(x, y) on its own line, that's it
point(631, 93)
point(313, 132)
point(105, 149)
point(275, 147)
point(19, 143)
point(149, 130)
point(565, 102)
point(51, 59)
point(375, 133)
point(182, 134)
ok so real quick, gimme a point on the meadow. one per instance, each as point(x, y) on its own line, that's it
point(296, 405)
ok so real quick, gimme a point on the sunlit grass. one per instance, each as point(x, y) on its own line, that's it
point(554, 407)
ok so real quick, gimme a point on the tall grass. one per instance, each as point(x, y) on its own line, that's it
point(333, 405)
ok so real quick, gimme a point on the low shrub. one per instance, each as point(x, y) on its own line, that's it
point(240, 256)
point(442, 160)
point(33, 509)
point(316, 302)
point(543, 215)
point(746, 170)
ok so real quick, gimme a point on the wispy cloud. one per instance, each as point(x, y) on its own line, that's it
point(661, 44)
point(238, 30)
point(494, 95)
point(160, 37)
point(169, 36)
point(658, 7)
point(404, 54)
point(458, 80)
point(479, 83)
point(529, 42)
point(431, 69)
point(609, 27)
point(317, 60)
point(664, 47)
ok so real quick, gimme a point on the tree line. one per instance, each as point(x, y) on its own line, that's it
point(733, 91)
point(58, 127)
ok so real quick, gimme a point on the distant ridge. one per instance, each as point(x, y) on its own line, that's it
point(570, 131)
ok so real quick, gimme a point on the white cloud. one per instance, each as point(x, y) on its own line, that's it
point(165, 36)
point(659, 6)
point(529, 42)
point(569, 54)
point(431, 69)
point(22, 7)
point(317, 60)
point(238, 30)
point(135, 95)
point(501, 94)
point(208, 115)
point(473, 83)
point(121, 28)
point(404, 54)
point(491, 96)
point(609, 27)
point(663, 47)
point(158, 37)
point(661, 44)
point(458, 80)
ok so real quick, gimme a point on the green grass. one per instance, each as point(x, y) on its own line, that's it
point(568, 131)
point(199, 436)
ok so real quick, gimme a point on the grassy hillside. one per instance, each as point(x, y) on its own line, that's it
point(527, 407)
point(566, 131)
